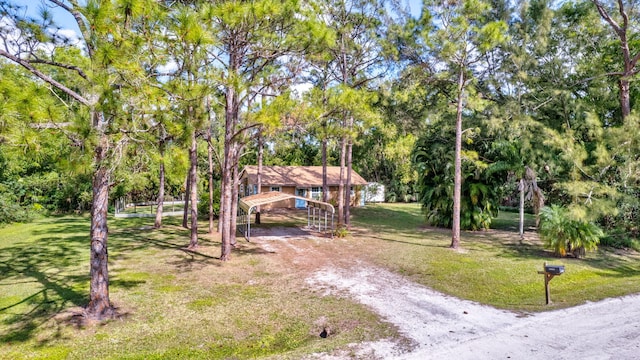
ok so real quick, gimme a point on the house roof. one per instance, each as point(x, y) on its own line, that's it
point(300, 176)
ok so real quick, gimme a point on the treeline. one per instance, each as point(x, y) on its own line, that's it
point(467, 106)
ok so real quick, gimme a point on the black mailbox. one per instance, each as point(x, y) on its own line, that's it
point(554, 269)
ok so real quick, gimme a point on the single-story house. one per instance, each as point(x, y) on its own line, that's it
point(302, 181)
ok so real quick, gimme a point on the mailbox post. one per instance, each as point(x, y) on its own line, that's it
point(549, 272)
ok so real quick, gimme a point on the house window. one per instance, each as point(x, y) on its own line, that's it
point(316, 193)
point(275, 188)
point(252, 189)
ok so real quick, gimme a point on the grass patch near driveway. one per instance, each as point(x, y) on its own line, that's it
point(493, 267)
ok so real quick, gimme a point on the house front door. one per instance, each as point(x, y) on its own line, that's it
point(301, 204)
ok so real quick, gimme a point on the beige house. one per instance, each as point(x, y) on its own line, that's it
point(303, 181)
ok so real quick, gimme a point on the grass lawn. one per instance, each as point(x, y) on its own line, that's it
point(180, 304)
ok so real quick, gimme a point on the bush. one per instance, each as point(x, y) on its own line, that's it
point(203, 204)
point(11, 211)
point(620, 240)
point(340, 232)
point(563, 234)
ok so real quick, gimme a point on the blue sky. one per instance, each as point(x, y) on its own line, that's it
point(65, 20)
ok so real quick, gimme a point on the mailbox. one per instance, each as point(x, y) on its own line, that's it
point(554, 269)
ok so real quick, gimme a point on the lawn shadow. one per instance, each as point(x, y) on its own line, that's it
point(49, 265)
point(615, 263)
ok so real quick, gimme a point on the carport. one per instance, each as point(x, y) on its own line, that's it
point(317, 211)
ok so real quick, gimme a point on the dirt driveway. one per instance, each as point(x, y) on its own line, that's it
point(438, 326)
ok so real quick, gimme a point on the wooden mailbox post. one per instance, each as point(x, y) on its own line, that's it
point(549, 272)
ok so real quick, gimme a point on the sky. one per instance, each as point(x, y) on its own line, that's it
point(66, 21)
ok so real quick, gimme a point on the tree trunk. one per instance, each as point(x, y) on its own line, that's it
point(99, 306)
point(347, 203)
point(343, 150)
point(161, 181)
point(193, 190)
point(234, 200)
point(625, 104)
point(457, 180)
point(222, 210)
point(629, 61)
point(521, 188)
point(227, 171)
point(210, 159)
point(225, 220)
point(325, 188)
point(185, 212)
point(259, 175)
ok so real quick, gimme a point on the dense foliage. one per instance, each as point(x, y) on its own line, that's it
point(563, 234)
point(543, 90)
point(481, 190)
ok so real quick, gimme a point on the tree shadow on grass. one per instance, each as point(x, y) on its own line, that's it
point(51, 266)
point(614, 263)
point(608, 262)
point(47, 269)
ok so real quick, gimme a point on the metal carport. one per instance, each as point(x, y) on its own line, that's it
point(315, 210)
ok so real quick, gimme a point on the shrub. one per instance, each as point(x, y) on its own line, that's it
point(203, 204)
point(340, 232)
point(11, 211)
point(563, 234)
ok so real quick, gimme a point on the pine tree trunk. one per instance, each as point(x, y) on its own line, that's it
point(185, 211)
point(161, 180)
point(259, 175)
point(234, 201)
point(222, 210)
point(521, 188)
point(347, 203)
point(160, 201)
point(193, 190)
point(99, 306)
point(210, 159)
point(325, 188)
point(343, 150)
point(226, 214)
point(227, 171)
point(457, 180)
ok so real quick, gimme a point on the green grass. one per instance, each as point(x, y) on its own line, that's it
point(178, 304)
point(493, 267)
point(174, 303)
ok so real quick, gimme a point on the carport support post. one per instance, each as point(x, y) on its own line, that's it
point(325, 220)
point(249, 225)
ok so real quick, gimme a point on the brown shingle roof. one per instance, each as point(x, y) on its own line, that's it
point(300, 176)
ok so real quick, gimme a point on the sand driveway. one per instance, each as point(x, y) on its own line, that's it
point(444, 327)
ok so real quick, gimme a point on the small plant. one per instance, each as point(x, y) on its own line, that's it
point(340, 232)
point(565, 235)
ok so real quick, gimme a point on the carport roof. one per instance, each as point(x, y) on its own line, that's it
point(248, 203)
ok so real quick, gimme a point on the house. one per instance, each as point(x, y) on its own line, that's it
point(302, 181)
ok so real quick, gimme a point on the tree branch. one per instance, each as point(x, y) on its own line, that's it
point(44, 77)
point(64, 66)
point(84, 29)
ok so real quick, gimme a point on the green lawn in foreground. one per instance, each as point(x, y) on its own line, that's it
point(179, 304)
point(175, 304)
